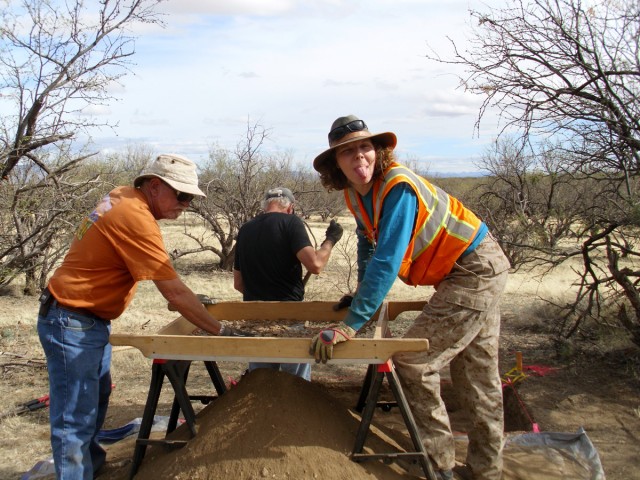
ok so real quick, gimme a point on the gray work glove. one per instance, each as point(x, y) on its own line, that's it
point(227, 331)
point(205, 299)
point(344, 302)
point(334, 232)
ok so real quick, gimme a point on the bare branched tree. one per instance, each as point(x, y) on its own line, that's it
point(235, 183)
point(39, 215)
point(570, 72)
point(58, 60)
point(530, 203)
point(314, 199)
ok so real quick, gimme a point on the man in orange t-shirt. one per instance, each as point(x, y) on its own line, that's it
point(116, 246)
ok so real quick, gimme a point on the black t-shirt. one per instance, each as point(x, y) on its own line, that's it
point(266, 256)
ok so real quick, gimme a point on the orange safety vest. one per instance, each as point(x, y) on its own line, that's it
point(442, 231)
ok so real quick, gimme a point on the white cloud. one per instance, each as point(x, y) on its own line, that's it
point(225, 7)
point(295, 66)
point(96, 111)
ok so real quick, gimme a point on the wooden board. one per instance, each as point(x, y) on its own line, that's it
point(177, 342)
point(314, 312)
point(263, 349)
point(277, 311)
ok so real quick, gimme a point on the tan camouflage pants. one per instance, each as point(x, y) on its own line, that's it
point(462, 323)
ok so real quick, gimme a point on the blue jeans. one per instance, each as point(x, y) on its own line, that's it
point(78, 360)
point(302, 370)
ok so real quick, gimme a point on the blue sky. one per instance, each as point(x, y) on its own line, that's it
point(294, 66)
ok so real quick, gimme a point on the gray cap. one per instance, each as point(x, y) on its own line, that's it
point(280, 192)
point(176, 170)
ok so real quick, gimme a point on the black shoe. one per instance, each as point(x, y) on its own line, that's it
point(413, 467)
point(462, 472)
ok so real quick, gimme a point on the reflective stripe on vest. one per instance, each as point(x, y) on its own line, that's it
point(443, 226)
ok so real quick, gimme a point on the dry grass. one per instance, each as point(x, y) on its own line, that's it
point(25, 439)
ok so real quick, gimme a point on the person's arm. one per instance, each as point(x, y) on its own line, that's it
point(395, 230)
point(188, 304)
point(315, 260)
point(238, 283)
point(365, 251)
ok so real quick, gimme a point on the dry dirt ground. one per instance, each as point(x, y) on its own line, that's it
point(308, 429)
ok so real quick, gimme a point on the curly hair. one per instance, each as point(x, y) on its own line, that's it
point(332, 177)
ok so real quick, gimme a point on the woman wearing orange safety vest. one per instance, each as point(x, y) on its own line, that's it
point(411, 229)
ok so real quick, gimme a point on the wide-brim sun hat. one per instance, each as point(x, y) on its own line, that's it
point(177, 171)
point(351, 129)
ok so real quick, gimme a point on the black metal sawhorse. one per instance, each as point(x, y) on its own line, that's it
point(369, 401)
point(177, 372)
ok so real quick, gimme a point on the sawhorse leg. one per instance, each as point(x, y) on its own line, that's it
point(366, 387)
point(182, 372)
point(177, 371)
point(216, 377)
point(157, 377)
point(375, 377)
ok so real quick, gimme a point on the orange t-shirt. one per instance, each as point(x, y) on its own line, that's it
point(116, 246)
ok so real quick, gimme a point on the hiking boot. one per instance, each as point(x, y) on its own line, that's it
point(413, 467)
point(462, 472)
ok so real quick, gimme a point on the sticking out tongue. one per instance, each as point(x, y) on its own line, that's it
point(362, 172)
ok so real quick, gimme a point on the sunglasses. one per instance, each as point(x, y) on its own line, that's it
point(339, 132)
point(182, 197)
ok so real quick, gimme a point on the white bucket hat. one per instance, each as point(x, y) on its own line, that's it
point(176, 170)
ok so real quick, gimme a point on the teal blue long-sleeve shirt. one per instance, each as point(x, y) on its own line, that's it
point(378, 267)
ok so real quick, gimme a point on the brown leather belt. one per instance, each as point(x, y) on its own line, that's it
point(47, 300)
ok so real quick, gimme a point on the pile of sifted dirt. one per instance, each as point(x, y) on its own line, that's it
point(271, 425)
